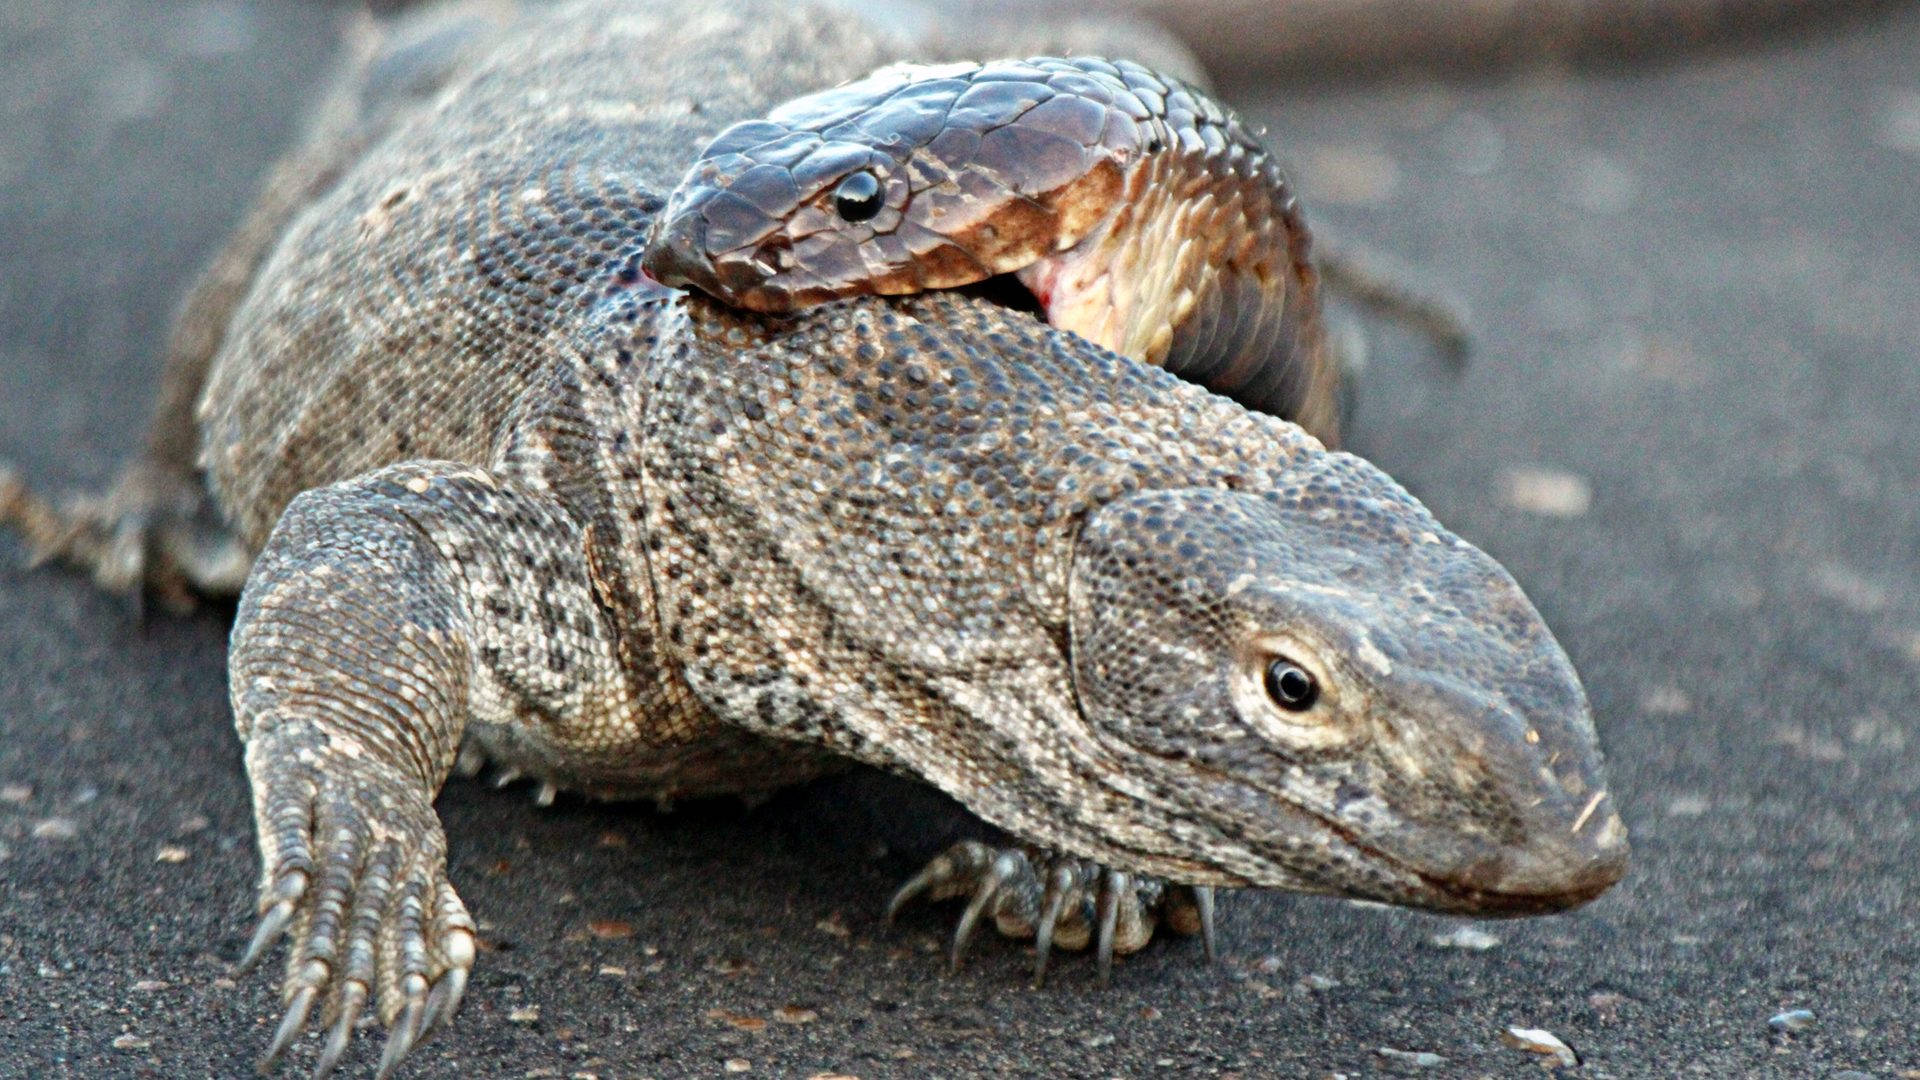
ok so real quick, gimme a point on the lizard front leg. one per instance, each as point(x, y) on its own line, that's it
point(1057, 900)
point(384, 613)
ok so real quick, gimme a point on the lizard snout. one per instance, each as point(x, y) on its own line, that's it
point(1565, 862)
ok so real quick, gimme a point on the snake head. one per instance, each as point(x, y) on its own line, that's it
point(915, 178)
point(1320, 688)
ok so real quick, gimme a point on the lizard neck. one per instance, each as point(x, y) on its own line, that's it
point(861, 521)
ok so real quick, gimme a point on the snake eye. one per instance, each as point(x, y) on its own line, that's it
point(1290, 686)
point(859, 197)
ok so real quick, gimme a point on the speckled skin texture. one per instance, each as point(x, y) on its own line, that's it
point(504, 490)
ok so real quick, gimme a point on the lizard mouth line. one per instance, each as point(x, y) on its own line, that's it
point(1453, 895)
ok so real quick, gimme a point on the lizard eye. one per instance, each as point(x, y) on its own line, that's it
point(1290, 686)
point(859, 197)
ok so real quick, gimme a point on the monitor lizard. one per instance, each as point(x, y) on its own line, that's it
point(488, 487)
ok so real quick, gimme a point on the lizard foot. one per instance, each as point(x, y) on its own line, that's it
point(354, 873)
point(152, 532)
point(1058, 901)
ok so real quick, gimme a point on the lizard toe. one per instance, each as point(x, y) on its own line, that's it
point(1058, 901)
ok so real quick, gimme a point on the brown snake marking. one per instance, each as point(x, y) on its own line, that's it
point(1137, 211)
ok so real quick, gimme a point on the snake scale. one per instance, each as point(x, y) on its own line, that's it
point(1135, 209)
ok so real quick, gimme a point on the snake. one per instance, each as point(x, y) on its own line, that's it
point(1124, 205)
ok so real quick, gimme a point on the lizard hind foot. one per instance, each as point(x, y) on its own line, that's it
point(1057, 901)
point(152, 533)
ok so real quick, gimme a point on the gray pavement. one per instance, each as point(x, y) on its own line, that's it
point(1689, 433)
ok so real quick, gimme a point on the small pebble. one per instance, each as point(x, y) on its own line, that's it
point(610, 928)
point(737, 1020)
point(147, 985)
point(1547, 492)
point(1319, 984)
point(1410, 1059)
point(1468, 938)
point(15, 793)
point(131, 1042)
point(739, 1065)
point(1607, 1003)
point(525, 1014)
point(1792, 1022)
point(1666, 701)
point(170, 853)
point(795, 1014)
point(1543, 1042)
point(1688, 805)
point(55, 828)
point(1854, 590)
point(613, 969)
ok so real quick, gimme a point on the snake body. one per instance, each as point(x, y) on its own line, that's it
point(1136, 210)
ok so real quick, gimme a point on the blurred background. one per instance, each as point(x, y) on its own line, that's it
point(1687, 232)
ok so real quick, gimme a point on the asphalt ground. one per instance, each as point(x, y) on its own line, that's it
point(1689, 432)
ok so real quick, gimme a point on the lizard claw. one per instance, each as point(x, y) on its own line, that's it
point(273, 922)
point(356, 882)
point(1006, 866)
point(299, 1006)
point(1057, 901)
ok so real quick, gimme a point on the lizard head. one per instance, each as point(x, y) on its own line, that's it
point(1318, 687)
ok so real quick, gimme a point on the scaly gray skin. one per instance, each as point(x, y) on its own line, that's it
point(503, 492)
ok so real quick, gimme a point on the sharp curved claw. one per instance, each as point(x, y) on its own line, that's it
point(915, 885)
point(1203, 903)
point(470, 760)
point(291, 1025)
point(407, 1028)
point(1113, 890)
point(444, 1001)
point(1059, 884)
point(352, 999)
point(272, 925)
point(1004, 867)
point(273, 922)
